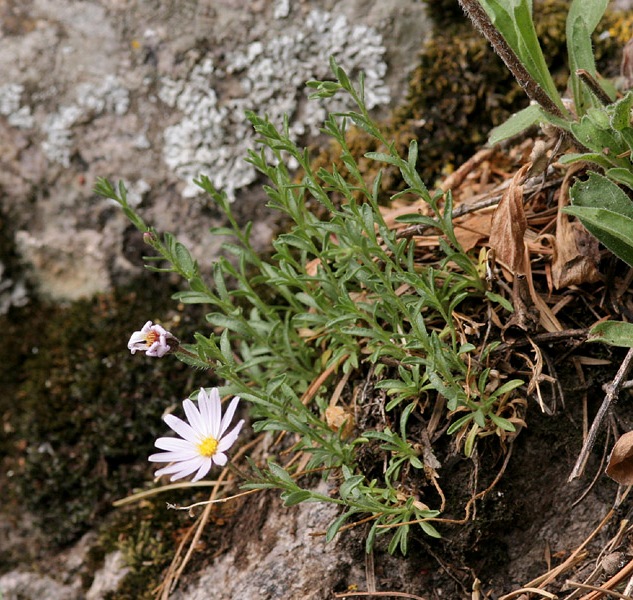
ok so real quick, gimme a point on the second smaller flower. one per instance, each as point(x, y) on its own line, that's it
point(154, 340)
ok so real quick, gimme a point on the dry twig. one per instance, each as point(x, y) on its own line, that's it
point(394, 594)
point(612, 391)
point(178, 563)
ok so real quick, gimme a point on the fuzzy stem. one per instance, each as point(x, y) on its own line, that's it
point(531, 87)
point(594, 86)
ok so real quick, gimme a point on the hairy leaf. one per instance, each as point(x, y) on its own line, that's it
point(614, 333)
point(582, 19)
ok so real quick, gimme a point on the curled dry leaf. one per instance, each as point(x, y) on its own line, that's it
point(337, 417)
point(576, 254)
point(569, 265)
point(509, 225)
point(620, 466)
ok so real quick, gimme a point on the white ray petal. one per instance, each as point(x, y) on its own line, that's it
point(184, 430)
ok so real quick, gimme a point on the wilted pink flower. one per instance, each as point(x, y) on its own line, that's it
point(149, 238)
point(154, 340)
point(203, 443)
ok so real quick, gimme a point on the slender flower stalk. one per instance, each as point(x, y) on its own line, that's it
point(154, 340)
point(203, 442)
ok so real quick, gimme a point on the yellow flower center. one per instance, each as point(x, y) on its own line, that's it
point(208, 446)
point(151, 337)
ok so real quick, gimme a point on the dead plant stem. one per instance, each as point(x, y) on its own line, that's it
point(548, 577)
point(480, 202)
point(623, 573)
point(545, 338)
point(528, 590)
point(179, 563)
point(468, 507)
point(388, 594)
point(594, 588)
point(612, 391)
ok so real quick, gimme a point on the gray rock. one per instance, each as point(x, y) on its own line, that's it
point(57, 578)
point(154, 93)
point(282, 561)
point(108, 577)
point(18, 585)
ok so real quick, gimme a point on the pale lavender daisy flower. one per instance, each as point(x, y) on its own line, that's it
point(154, 340)
point(204, 441)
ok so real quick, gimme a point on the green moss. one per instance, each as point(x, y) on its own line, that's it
point(610, 40)
point(461, 89)
point(81, 412)
point(147, 534)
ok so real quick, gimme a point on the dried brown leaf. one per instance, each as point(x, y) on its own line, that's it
point(509, 225)
point(471, 230)
point(620, 465)
point(337, 417)
point(569, 266)
point(575, 252)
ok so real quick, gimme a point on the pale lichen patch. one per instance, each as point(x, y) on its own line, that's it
point(213, 136)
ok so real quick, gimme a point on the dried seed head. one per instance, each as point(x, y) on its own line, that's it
point(337, 417)
point(612, 563)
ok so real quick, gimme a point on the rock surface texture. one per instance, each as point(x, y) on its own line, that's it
point(154, 93)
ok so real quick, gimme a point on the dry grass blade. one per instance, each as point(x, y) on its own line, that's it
point(388, 594)
point(458, 176)
point(605, 588)
point(601, 590)
point(574, 558)
point(370, 572)
point(166, 488)
point(178, 564)
point(528, 590)
point(547, 319)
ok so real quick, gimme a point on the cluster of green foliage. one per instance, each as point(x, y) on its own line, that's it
point(599, 125)
point(341, 294)
point(344, 295)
